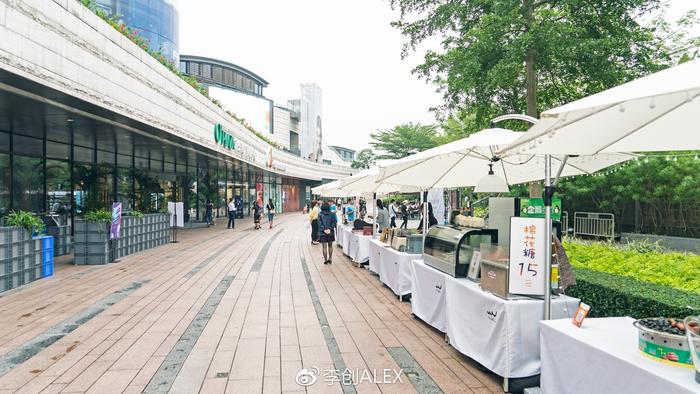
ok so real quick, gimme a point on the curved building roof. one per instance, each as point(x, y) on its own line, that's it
point(221, 63)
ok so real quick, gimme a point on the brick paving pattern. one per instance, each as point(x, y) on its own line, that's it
point(210, 318)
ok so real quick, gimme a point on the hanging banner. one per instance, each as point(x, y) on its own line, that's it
point(436, 198)
point(259, 194)
point(534, 208)
point(527, 243)
point(115, 229)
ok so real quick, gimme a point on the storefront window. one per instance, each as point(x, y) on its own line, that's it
point(58, 187)
point(147, 189)
point(93, 187)
point(28, 184)
point(125, 193)
point(4, 183)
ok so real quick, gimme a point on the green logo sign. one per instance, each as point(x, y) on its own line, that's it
point(534, 208)
point(223, 138)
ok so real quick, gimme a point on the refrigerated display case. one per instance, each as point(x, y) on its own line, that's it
point(450, 248)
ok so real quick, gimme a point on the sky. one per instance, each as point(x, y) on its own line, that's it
point(347, 48)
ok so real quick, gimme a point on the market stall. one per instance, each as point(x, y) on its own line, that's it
point(358, 246)
point(603, 357)
point(500, 334)
point(428, 295)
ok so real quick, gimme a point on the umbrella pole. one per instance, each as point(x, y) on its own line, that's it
point(548, 236)
point(375, 227)
point(424, 195)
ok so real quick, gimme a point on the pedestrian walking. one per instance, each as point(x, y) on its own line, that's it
point(404, 214)
point(231, 214)
point(392, 214)
point(432, 220)
point(257, 214)
point(209, 212)
point(313, 218)
point(270, 211)
point(382, 216)
point(327, 221)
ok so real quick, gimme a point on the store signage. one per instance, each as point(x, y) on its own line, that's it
point(116, 226)
point(223, 138)
point(527, 248)
point(534, 208)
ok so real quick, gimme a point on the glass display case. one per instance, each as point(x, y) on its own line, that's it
point(450, 248)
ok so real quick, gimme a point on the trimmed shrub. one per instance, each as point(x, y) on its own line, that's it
point(637, 261)
point(615, 295)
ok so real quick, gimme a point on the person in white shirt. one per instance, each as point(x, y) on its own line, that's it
point(392, 213)
point(231, 213)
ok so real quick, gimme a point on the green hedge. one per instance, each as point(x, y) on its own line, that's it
point(615, 295)
point(637, 261)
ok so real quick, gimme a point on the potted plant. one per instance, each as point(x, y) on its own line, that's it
point(21, 255)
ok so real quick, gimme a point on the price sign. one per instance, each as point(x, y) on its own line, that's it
point(527, 248)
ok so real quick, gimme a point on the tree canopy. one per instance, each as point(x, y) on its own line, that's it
point(504, 56)
point(403, 140)
point(364, 159)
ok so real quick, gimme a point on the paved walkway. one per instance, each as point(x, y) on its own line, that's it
point(224, 311)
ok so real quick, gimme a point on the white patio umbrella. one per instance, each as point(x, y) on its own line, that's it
point(465, 162)
point(659, 112)
point(655, 113)
point(368, 181)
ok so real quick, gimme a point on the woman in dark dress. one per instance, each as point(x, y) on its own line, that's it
point(327, 221)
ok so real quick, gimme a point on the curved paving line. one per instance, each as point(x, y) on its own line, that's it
point(30, 348)
point(336, 356)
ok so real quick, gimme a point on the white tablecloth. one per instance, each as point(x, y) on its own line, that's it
point(428, 294)
point(395, 270)
point(376, 249)
point(502, 335)
point(603, 357)
point(347, 233)
point(339, 234)
point(358, 246)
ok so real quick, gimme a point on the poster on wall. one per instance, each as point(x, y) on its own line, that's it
point(526, 271)
point(115, 229)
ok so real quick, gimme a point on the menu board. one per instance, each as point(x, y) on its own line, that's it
point(527, 247)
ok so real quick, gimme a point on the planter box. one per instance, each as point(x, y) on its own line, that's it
point(91, 243)
point(22, 257)
point(136, 235)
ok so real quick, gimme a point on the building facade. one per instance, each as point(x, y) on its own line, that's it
point(346, 154)
point(158, 21)
point(87, 118)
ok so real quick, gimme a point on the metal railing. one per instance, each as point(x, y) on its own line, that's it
point(565, 223)
point(594, 224)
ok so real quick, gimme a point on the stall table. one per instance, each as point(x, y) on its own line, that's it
point(603, 357)
point(428, 294)
point(339, 233)
point(376, 249)
point(395, 270)
point(502, 335)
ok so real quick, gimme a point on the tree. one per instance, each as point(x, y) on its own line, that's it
point(505, 56)
point(404, 140)
point(364, 159)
